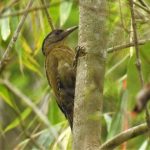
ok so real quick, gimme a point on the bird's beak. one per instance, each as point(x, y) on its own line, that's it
point(68, 31)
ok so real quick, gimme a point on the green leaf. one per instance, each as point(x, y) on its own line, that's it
point(32, 66)
point(16, 122)
point(65, 9)
point(19, 50)
point(108, 121)
point(132, 80)
point(118, 120)
point(144, 55)
point(26, 59)
point(144, 145)
point(5, 96)
point(5, 28)
point(54, 114)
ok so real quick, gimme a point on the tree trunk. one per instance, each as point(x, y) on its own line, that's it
point(90, 75)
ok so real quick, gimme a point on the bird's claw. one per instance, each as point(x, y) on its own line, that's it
point(80, 51)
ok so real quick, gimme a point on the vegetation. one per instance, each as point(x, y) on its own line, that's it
point(29, 116)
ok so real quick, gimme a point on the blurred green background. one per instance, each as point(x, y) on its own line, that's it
point(29, 116)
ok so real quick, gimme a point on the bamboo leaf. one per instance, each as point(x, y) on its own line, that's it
point(65, 7)
point(16, 121)
point(5, 28)
point(5, 96)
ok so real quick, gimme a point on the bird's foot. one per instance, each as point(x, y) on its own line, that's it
point(80, 51)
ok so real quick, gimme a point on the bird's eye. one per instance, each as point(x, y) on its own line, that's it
point(58, 32)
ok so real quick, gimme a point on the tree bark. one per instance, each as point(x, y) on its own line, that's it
point(90, 75)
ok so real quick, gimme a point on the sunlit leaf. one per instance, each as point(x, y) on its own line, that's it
point(26, 46)
point(5, 96)
point(5, 27)
point(63, 138)
point(108, 120)
point(32, 67)
point(33, 61)
point(144, 145)
point(65, 9)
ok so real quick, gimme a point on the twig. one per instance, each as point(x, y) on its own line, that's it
point(26, 133)
point(142, 7)
point(26, 100)
point(21, 12)
point(48, 16)
point(6, 62)
point(124, 136)
point(8, 6)
point(18, 147)
point(135, 40)
point(15, 36)
point(34, 108)
point(29, 103)
point(143, 3)
point(138, 61)
point(123, 46)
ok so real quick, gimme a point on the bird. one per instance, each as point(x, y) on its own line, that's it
point(60, 71)
point(142, 99)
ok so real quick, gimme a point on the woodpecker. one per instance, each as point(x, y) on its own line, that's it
point(59, 68)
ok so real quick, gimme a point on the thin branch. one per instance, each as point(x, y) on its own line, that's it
point(33, 141)
point(142, 7)
point(26, 133)
point(15, 36)
point(34, 108)
point(135, 40)
point(6, 62)
point(143, 3)
point(125, 136)
point(21, 12)
point(48, 16)
point(29, 103)
point(26, 100)
point(18, 147)
point(8, 6)
point(127, 45)
point(138, 60)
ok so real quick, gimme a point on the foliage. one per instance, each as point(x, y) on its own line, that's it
point(30, 118)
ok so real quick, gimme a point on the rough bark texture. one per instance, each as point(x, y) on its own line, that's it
point(90, 76)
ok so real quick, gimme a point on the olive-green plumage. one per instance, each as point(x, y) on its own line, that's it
point(60, 71)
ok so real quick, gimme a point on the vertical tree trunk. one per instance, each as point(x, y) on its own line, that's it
point(90, 76)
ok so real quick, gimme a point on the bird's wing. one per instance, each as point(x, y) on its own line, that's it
point(66, 87)
point(61, 77)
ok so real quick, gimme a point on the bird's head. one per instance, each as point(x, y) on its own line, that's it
point(55, 37)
